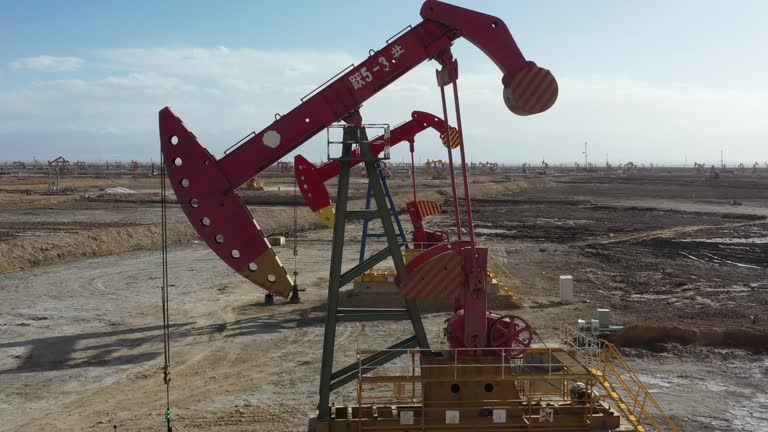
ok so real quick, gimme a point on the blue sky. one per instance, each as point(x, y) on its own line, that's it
point(646, 81)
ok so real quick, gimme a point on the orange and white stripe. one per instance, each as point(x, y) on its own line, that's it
point(441, 277)
point(535, 89)
point(454, 138)
point(429, 208)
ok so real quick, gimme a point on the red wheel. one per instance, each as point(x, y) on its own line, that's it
point(511, 332)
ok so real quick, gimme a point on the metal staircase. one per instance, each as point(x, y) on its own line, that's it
point(622, 386)
point(628, 393)
point(498, 271)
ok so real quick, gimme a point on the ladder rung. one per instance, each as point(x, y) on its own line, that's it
point(364, 311)
point(368, 214)
point(373, 316)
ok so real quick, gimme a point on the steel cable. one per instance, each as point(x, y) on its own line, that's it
point(164, 296)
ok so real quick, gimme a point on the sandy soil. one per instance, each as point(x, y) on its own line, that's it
point(81, 348)
point(38, 228)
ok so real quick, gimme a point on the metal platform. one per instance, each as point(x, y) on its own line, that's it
point(442, 390)
point(582, 384)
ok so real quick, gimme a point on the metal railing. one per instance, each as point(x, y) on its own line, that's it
point(540, 376)
point(622, 386)
point(557, 359)
point(335, 134)
point(497, 270)
point(585, 347)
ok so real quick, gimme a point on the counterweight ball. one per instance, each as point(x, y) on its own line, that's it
point(531, 91)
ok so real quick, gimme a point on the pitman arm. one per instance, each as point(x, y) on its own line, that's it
point(205, 186)
point(311, 179)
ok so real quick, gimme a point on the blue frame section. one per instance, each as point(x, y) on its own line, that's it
point(367, 220)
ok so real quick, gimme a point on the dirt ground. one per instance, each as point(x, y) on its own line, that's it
point(682, 262)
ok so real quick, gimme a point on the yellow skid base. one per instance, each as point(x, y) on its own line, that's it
point(480, 394)
point(389, 419)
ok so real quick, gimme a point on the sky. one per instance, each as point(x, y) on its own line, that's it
point(650, 82)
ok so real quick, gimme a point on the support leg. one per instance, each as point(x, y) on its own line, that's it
point(393, 208)
point(337, 255)
point(366, 222)
point(392, 241)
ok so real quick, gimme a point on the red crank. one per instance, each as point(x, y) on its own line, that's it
point(513, 332)
point(509, 332)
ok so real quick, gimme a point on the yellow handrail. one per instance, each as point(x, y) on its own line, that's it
point(497, 270)
point(612, 360)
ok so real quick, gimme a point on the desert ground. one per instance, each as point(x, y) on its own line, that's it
point(680, 259)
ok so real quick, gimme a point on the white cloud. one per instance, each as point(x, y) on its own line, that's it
point(257, 68)
point(223, 93)
point(48, 63)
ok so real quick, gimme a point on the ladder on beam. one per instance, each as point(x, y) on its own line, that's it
point(368, 219)
point(330, 380)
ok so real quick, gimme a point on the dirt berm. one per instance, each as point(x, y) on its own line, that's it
point(654, 337)
point(20, 253)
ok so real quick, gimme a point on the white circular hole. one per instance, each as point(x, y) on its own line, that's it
point(253, 267)
point(194, 203)
point(174, 140)
point(205, 221)
point(306, 120)
point(235, 253)
point(219, 238)
point(184, 182)
point(271, 278)
point(177, 161)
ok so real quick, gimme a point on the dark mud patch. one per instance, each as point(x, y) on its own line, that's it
point(578, 221)
point(742, 216)
point(735, 248)
point(742, 255)
point(664, 187)
point(497, 201)
point(651, 336)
